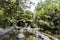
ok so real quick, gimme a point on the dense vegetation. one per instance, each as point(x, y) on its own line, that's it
point(47, 16)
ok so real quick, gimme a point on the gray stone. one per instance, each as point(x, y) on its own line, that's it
point(21, 36)
point(5, 33)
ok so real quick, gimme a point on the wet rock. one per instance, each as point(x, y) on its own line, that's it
point(1, 31)
point(41, 36)
point(21, 30)
point(20, 36)
point(56, 39)
point(29, 29)
point(5, 33)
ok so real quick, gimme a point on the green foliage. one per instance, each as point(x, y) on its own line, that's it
point(48, 16)
point(9, 14)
